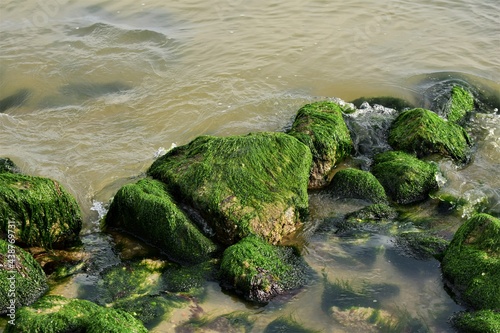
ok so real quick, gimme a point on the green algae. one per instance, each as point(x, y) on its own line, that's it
point(56, 314)
point(421, 245)
point(260, 271)
point(484, 321)
point(321, 127)
point(460, 104)
point(242, 185)
point(405, 178)
point(21, 277)
point(146, 210)
point(43, 212)
point(287, 324)
point(422, 132)
point(233, 322)
point(471, 263)
point(359, 184)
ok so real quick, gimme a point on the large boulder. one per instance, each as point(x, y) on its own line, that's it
point(146, 210)
point(357, 184)
point(406, 179)
point(471, 263)
point(241, 185)
point(423, 132)
point(483, 321)
point(322, 128)
point(260, 271)
point(22, 280)
point(43, 213)
point(56, 314)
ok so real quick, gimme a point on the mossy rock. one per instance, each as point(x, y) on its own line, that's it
point(369, 216)
point(484, 321)
point(421, 245)
point(43, 212)
point(260, 271)
point(471, 263)
point(423, 132)
point(234, 322)
point(287, 325)
point(242, 185)
point(6, 165)
point(405, 178)
point(322, 128)
point(146, 210)
point(192, 279)
point(21, 278)
point(358, 184)
point(461, 102)
point(56, 314)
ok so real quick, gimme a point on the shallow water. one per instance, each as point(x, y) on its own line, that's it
point(98, 88)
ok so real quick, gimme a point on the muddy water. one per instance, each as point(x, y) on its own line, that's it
point(90, 92)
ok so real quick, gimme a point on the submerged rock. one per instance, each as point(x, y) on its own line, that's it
point(56, 314)
point(146, 210)
point(260, 271)
point(484, 321)
point(41, 210)
point(22, 280)
point(357, 184)
point(421, 245)
point(471, 263)
point(321, 127)
point(6, 165)
point(286, 325)
point(422, 132)
point(234, 322)
point(242, 185)
point(405, 178)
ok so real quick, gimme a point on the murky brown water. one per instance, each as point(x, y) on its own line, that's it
point(107, 84)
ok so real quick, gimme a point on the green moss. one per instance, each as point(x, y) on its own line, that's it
point(422, 132)
point(461, 102)
point(191, 279)
point(484, 321)
point(56, 314)
point(261, 271)
point(387, 101)
point(405, 178)
point(6, 165)
point(242, 185)
point(421, 245)
point(371, 215)
point(471, 263)
point(44, 213)
point(146, 210)
point(150, 309)
point(21, 277)
point(359, 184)
point(322, 128)
point(287, 325)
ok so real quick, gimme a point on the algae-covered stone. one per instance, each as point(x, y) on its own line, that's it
point(6, 165)
point(261, 271)
point(242, 185)
point(461, 102)
point(22, 280)
point(359, 184)
point(148, 211)
point(405, 178)
point(484, 321)
point(471, 263)
point(421, 245)
point(322, 128)
point(423, 132)
point(234, 322)
point(287, 325)
point(43, 212)
point(56, 314)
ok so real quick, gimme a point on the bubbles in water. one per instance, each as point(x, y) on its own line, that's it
point(98, 207)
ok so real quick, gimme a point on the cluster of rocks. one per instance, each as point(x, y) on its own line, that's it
point(223, 207)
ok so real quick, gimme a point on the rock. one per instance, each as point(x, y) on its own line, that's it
point(484, 321)
point(43, 213)
point(260, 271)
point(22, 279)
point(357, 184)
point(287, 324)
point(420, 245)
point(386, 101)
point(234, 322)
point(6, 165)
point(405, 178)
point(55, 314)
point(422, 132)
point(461, 102)
point(369, 217)
point(242, 185)
point(321, 127)
point(471, 263)
point(146, 210)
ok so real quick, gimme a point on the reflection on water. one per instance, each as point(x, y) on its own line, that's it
point(90, 92)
